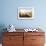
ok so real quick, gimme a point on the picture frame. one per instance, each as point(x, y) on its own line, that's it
point(25, 13)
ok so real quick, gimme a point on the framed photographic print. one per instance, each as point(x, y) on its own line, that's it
point(25, 13)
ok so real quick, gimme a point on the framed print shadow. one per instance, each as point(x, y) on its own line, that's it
point(25, 13)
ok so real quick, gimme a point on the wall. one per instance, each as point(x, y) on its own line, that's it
point(9, 13)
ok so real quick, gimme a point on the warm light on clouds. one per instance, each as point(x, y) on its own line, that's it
point(22, 10)
point(25, 11)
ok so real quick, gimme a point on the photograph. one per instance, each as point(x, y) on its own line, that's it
point(25, 13)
